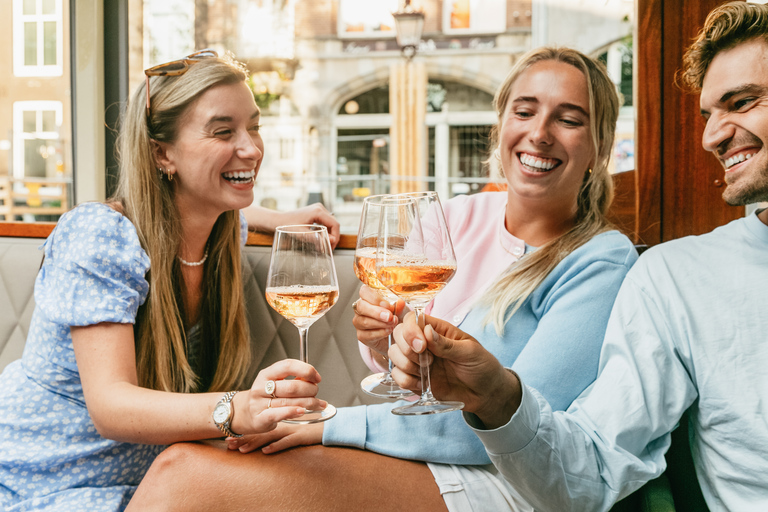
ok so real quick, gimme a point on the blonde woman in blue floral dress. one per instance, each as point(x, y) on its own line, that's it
point(139, 332)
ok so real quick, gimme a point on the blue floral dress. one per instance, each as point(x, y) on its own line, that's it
point(51, 456)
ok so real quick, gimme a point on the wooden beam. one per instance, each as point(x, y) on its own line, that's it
point(43, 229)
point(679, 185)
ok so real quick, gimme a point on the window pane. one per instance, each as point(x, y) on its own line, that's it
point(49, 121)
point(49, 6)
point(30, 7)
point(30, 44)
point(34, 149)
point(49, 42)
point(29, 121)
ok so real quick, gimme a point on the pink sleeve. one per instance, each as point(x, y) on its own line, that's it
point(369, 360)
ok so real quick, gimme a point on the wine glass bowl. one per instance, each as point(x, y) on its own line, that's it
point(380, 384)
point(415, 261)
point(302, 286)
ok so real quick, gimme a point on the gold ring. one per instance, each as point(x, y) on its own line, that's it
point(354, 306)
point(269, 404)
point(270, 387)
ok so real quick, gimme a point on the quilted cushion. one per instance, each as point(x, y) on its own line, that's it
point(331, 347)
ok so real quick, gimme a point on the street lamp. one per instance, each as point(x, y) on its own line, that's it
point(409, 24)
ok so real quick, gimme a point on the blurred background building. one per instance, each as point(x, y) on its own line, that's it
point(321, 73)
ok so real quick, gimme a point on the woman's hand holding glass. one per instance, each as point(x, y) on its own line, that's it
point(257, 411)
point(375, 319)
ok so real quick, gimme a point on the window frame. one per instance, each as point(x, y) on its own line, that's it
point(446, 21)
point(21, 69)
point(365, 34)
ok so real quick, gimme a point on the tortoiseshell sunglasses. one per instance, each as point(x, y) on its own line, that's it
point(177, 67)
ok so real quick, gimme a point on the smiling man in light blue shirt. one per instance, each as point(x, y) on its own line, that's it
point(689, 329)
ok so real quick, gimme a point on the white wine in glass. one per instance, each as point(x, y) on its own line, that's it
point(302, 287)
point(379, 384)
point(415, 261)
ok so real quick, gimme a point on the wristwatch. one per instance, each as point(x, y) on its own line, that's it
point(223, 413)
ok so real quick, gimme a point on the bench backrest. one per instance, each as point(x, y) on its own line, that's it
point(331, 348)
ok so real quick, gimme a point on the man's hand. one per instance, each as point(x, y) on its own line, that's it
point(461, 369)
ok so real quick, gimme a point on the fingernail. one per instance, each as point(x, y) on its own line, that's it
point(384, 316)
point(434, 334)
point(418, 344)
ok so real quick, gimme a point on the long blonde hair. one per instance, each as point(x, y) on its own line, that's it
point(147, 200)
point(509, 293)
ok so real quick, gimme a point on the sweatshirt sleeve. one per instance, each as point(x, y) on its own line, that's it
point(442, 438)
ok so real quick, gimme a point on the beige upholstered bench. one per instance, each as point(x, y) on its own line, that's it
point(331, 348)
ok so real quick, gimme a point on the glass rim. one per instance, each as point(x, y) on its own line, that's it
point(293, 228)
point(387, 199)
point(418, 193)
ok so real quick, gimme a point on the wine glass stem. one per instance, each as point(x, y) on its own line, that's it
point(426, 385)
point(390, 339)
point(303, 344)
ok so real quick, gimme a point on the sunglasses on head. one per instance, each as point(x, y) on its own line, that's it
point(176, 67)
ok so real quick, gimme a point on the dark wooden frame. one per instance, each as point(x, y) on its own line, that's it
point(678, 184)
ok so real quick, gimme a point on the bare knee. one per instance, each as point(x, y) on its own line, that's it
point(174, 466)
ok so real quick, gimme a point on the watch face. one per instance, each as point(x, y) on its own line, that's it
point(221, 413)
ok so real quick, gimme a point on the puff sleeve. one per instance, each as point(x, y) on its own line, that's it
point(94, 269)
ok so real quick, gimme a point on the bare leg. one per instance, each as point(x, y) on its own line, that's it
point(190, 477)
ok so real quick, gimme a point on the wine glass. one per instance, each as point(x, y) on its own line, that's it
point(415, 260)
point(302, 286)
point(379, 384)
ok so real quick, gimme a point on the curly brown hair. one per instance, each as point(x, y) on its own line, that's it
point(726, 26)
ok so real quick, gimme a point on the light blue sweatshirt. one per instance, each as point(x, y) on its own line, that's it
point(553, 342)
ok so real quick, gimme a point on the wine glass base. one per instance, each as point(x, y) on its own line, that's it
point(314, 416)
point(427, 407)
point(382, 385)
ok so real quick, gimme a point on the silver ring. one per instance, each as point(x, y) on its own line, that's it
point(269, 388)
point(354, 306)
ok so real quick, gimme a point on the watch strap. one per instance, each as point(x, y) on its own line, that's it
point(225, 426)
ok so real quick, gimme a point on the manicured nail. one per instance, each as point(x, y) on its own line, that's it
point(385, 316)
point(418, 344)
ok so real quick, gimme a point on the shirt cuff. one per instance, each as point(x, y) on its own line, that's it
point(518, 431)
point(347, 428)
